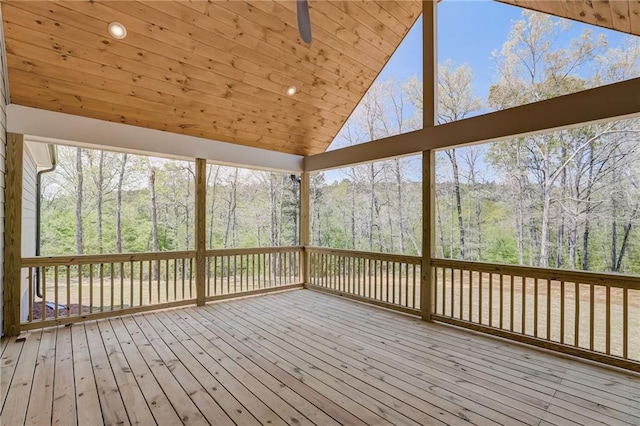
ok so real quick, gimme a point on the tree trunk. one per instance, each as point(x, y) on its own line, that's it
point(400, 189)
point(451, 153)
point(154, 217)
point(123, 166)
point(79, 194)
point(100, 189)
point(353, 213)
point(587, 212)
point(231, 212)
point(213, 204)
point(372, 190)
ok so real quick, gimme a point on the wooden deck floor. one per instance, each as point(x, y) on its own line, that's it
point(298, 357)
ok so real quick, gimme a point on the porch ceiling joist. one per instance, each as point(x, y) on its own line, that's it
point(619, 100)
point(74, 130)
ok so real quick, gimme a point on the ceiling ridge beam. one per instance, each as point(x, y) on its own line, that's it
point(73, 130)
point(614, 101)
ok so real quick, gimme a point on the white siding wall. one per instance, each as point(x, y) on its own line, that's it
point(3, 156)
point(29, 173)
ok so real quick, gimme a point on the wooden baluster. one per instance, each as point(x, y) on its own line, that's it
point(511, 301)
point(548, 309)
point(183, 274)
point(375, 280)
point(480, 299)
point(112, 279)
point(150, 299)
point(166, 280)
point(175, 279)
point(387, 280)
point(625, 323)
point(242, 272)
point(209, 267)
point(414, 284)
point(90, 288)
point(68, 290)
point(55, 291)
point(80, 304)
point(562, 307)
point(535, 307)
point(101, 287)
point(452, 293)
point(490, 300)
point(461, 295)
point(577, 315)
point(470, 296)
point(592, 315)
point(131, 284)
point(253, 271)
point(393, 284)
point(44, 292)
point(228, 274)
point(524, 304)
point(30, 314)
point(608, 320)
point(121, 270)
point(435, 287)
point(141, 285)
point(501, 301)
point(191, 278)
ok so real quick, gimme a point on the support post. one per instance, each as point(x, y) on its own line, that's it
point(427, 288)
point(304, 226)
point(13, 234)
point(430, 111)
point(201, 221)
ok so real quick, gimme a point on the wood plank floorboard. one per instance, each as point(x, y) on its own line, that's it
point(298, 358)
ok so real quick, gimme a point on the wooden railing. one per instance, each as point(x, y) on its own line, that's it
point(591, 315)
point(67, 289)
point(234, 272)
point(388, 280)
point(95, 286)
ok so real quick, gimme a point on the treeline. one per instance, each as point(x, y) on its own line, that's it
point(104, 202)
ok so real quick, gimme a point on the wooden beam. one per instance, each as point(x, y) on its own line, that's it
point(13, 234)
point(427, 286)
point(606, 103)
point(201, 229)
point(304, 225)
point(66, 129)
point(429, 63)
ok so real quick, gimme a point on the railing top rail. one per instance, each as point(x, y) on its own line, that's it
point(412, 260)
point(252, 250)
point(85, 259)
point(582, 277)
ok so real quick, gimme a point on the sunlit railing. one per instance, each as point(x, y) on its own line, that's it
point(65, 288)
point(587, 314)
point(388, 280)
point(249, 271)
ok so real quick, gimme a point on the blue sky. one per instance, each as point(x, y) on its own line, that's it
point(468, 32)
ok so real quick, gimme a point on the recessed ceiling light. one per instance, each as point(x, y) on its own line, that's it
point(117, 30)
point(292, 90)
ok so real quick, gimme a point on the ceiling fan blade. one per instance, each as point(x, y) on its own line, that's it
point(304, 22)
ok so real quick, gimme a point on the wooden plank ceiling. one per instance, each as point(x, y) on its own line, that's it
point(620, 15)
point(220, 70)
point(217, 70)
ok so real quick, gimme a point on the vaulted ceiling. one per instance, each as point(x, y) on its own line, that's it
point(220, 70)
point(217, 70)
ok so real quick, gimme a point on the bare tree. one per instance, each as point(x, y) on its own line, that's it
point(123, 166)
point(79, 195)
